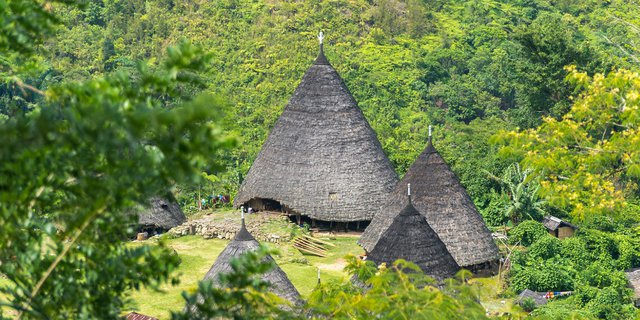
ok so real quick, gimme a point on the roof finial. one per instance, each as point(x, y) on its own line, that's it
point(429, 131)
point(318, 276)
point(409, 191)
point(242, 215)
point(321, 37)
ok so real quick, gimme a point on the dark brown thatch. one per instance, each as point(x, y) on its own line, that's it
point(438, 195)
point(322, 159)
point(245, 242)
point(138, 316)
point(410, 237)
point(161, 212)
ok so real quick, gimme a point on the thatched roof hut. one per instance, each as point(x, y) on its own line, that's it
point(322, 159)
point(410, 237)
point(633, 276)
point(537, 297)
point(442, 200)
point(558, 227)
point(161, 213)
point(245, 242)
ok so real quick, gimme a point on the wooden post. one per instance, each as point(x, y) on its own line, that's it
point(331, 226)
point(358, 225)
point(299, 217)
point(313, 223)
point(199, 198)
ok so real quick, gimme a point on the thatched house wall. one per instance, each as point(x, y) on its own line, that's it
point(442, 200)
point(559, 228)
point(161, 213)
point(322, 159)
point(245, 242)
point(410, 237)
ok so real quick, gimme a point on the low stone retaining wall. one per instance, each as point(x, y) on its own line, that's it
point(225, 228)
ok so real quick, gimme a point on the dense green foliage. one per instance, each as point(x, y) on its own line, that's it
point(527, 232)
point(387, 293)
point(408, 63)
point(102, 106)
point(588, 161)
point(589, 264)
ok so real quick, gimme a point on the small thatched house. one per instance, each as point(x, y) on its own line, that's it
point(558, 227)
point(245, 242)
point(633, 276)
point(410, 237)
point(442, 200)
point(160, 214)
point(322, 159)
point(537, 297)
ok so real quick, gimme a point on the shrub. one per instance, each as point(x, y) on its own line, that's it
point(546, 247)
point(575, 250)
point(495, 214)
point(528, 304)
point(608, 304)
point(527, 233)
point(541, 275)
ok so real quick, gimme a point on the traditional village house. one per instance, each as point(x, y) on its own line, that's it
point(442, 200)
point(409, 237)
point(322, 160)
point(160, 214)
point(242, 243)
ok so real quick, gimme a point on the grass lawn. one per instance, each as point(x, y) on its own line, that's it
point(198, 255)
point(489, 288)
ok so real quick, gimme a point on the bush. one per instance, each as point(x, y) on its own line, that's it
point(575, 250)
point(528, 304)
point(495, 214)
point(608, 304)
point(540, 275)
point(527, 233)
point(546, 247)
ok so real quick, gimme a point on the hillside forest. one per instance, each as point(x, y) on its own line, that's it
point(535, 105)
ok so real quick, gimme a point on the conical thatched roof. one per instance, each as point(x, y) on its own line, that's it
point(322, 159)
point(161, 212)
point(245, 242)
point(438, 195)
point(410, 237)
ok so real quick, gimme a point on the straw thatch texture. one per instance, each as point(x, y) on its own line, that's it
point(242, 243)
point(410, 237)
point(633, 276)
point(538, 297)
point(161, 212)
point(438, 195)
point(322, 159)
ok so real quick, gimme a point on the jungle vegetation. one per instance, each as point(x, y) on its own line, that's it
point(105, 103)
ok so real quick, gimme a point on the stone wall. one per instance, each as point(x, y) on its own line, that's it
point(211, 227)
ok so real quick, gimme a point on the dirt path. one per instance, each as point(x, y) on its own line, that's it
point(336, 266)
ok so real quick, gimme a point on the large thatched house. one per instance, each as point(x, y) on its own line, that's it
point(410, 237)
point(245, 242)
point(322, 159)
point(442, 200)
point(160, 214)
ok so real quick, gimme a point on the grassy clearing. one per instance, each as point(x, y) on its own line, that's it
point(494, 304)
point(198, 255)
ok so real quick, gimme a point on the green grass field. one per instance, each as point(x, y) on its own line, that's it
point(198, 255)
